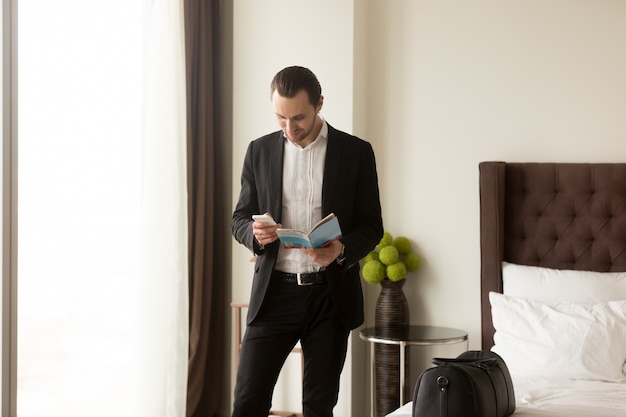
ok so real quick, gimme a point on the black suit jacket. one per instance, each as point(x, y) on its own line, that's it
point(350, 190)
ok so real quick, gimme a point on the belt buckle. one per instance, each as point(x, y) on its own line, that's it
point(299, 280)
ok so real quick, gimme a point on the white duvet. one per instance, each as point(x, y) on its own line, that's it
point(553, 397)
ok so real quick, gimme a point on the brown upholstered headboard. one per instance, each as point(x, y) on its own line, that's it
point(554, 215)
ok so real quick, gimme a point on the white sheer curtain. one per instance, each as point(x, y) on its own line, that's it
point(102, 227)
point(164, 213)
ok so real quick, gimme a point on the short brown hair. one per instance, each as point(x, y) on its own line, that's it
point(289, 81)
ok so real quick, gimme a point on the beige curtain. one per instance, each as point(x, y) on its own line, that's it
point(209, 227)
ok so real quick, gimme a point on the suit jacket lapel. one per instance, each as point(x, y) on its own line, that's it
point(331, 170)
point(276, 176)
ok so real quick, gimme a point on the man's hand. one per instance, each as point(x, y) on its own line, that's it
point(327, 254)
point(264, 233)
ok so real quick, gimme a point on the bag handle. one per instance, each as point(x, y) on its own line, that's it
point(465, 361)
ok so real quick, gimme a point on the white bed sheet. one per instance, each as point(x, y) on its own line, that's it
point(551, 397)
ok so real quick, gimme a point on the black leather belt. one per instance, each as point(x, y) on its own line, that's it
point(301, 279)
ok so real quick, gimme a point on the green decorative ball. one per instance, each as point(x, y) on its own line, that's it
point(388, 255)
point(373, 272)
point(372, 256)
point(412, 261)
point(396, 272)
point(386, 240)
point(391, 259)
point(403, 244)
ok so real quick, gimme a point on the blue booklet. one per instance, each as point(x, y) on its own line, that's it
point(324, 232)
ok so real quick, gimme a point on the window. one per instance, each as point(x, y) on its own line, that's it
point(79, 205)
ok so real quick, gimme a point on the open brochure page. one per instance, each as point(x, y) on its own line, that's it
point(324, 232)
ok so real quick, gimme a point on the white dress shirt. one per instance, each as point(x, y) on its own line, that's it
point(303, 175)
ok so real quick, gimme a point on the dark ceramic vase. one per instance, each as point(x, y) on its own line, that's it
point(392, 321)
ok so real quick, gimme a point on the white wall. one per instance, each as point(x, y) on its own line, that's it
point(438, 87)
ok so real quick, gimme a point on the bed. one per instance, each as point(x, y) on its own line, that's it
point(553, 284)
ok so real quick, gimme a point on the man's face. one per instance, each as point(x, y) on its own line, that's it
point(297, 117)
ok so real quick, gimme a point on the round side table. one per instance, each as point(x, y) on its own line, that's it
point(408, 336)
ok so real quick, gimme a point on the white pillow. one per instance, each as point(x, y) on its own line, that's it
point(581, 341)
point(553, 285)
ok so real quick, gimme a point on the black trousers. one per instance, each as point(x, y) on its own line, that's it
point(291, 313)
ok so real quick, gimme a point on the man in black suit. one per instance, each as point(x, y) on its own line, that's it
point(298, 175)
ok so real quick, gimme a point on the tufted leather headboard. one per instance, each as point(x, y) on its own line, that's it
point(554, 215)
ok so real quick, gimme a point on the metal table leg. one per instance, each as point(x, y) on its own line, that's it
point(372, 382)
point(402, 370)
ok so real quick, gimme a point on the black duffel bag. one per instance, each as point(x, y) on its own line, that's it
point(475, 384)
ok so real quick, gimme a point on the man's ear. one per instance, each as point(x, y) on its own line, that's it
point(320, 103)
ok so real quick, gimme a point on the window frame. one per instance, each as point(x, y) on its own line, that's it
point(9, 208)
